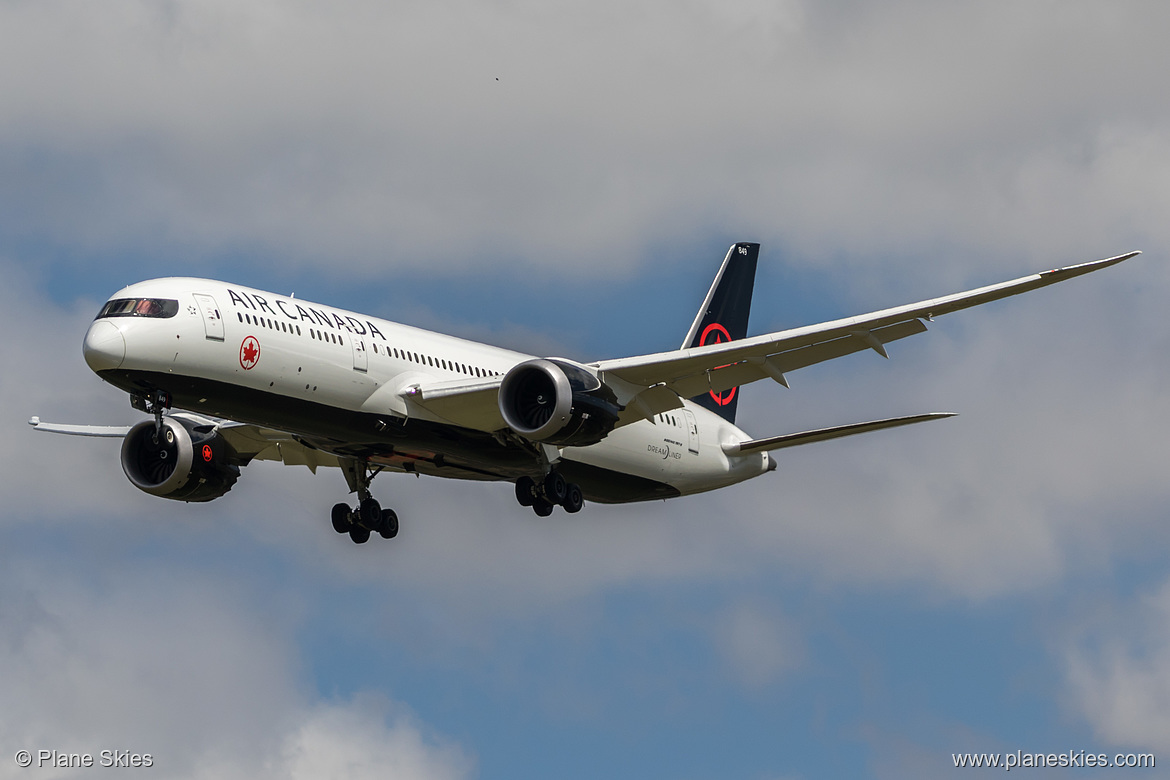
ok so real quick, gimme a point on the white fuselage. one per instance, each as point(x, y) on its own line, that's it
point(318, 372)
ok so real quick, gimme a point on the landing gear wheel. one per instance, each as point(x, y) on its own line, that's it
point(389, 527)
point(370, 513)
point(573, 499)
point(542, 508)
point(555, 487)
point(359, 535)
point(340, 518)
point(525, 491)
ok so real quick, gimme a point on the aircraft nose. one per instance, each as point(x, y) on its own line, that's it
point(104, 347)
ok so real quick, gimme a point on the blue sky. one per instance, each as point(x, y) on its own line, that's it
point(994, 582)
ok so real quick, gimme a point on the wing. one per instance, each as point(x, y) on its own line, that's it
point(470, 404)
point(101, 431)
point(649, 384)
point(250, 442)
point(718, 367)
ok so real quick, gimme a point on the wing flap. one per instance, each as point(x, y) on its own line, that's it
point(255, 443)
point(756, 367)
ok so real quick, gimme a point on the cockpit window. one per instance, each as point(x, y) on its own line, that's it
point(139, 307)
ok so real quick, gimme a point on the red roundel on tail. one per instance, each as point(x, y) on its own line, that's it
point(717, 334)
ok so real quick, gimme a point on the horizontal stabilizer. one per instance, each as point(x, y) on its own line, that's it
point(824, 434)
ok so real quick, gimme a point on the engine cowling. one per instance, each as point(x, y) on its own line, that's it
point(557, 402)
point(188, 462)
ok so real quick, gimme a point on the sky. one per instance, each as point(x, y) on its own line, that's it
point(564, 178)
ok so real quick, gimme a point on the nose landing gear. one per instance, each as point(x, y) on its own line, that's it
point(156, 402)
point(552, 491)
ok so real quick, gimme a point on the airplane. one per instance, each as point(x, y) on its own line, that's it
point(232, 375)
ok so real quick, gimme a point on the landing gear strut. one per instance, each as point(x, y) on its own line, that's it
point(551, 491)
point(369, 515)
point(153, 403)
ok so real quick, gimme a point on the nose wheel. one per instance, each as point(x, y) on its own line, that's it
point(550, 492)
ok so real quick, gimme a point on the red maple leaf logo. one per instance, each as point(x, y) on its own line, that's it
point(249, 353)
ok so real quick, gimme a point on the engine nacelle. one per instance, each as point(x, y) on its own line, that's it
point(188, 462)
point(557, 402)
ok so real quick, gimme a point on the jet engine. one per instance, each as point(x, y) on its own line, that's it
point(185, 461)
point(557, 402)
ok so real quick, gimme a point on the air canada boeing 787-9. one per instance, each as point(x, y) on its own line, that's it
point(231, 375)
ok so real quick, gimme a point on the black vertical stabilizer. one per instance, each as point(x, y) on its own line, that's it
point(724, 317)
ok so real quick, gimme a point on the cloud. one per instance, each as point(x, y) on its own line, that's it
point(160, 659)
point(46, 376)
point(380, 134)
point(353, 738)
point(1118, 668)
point(759, 644)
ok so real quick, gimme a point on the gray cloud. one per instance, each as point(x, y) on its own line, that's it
point(1118, 667)
point(152, 658)
point(760, 644)
point(376, 133)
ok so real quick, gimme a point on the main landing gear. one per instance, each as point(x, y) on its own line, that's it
point(368, 516)
point(551, 491)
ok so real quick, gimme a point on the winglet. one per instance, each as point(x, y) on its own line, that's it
point(1083, 268)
